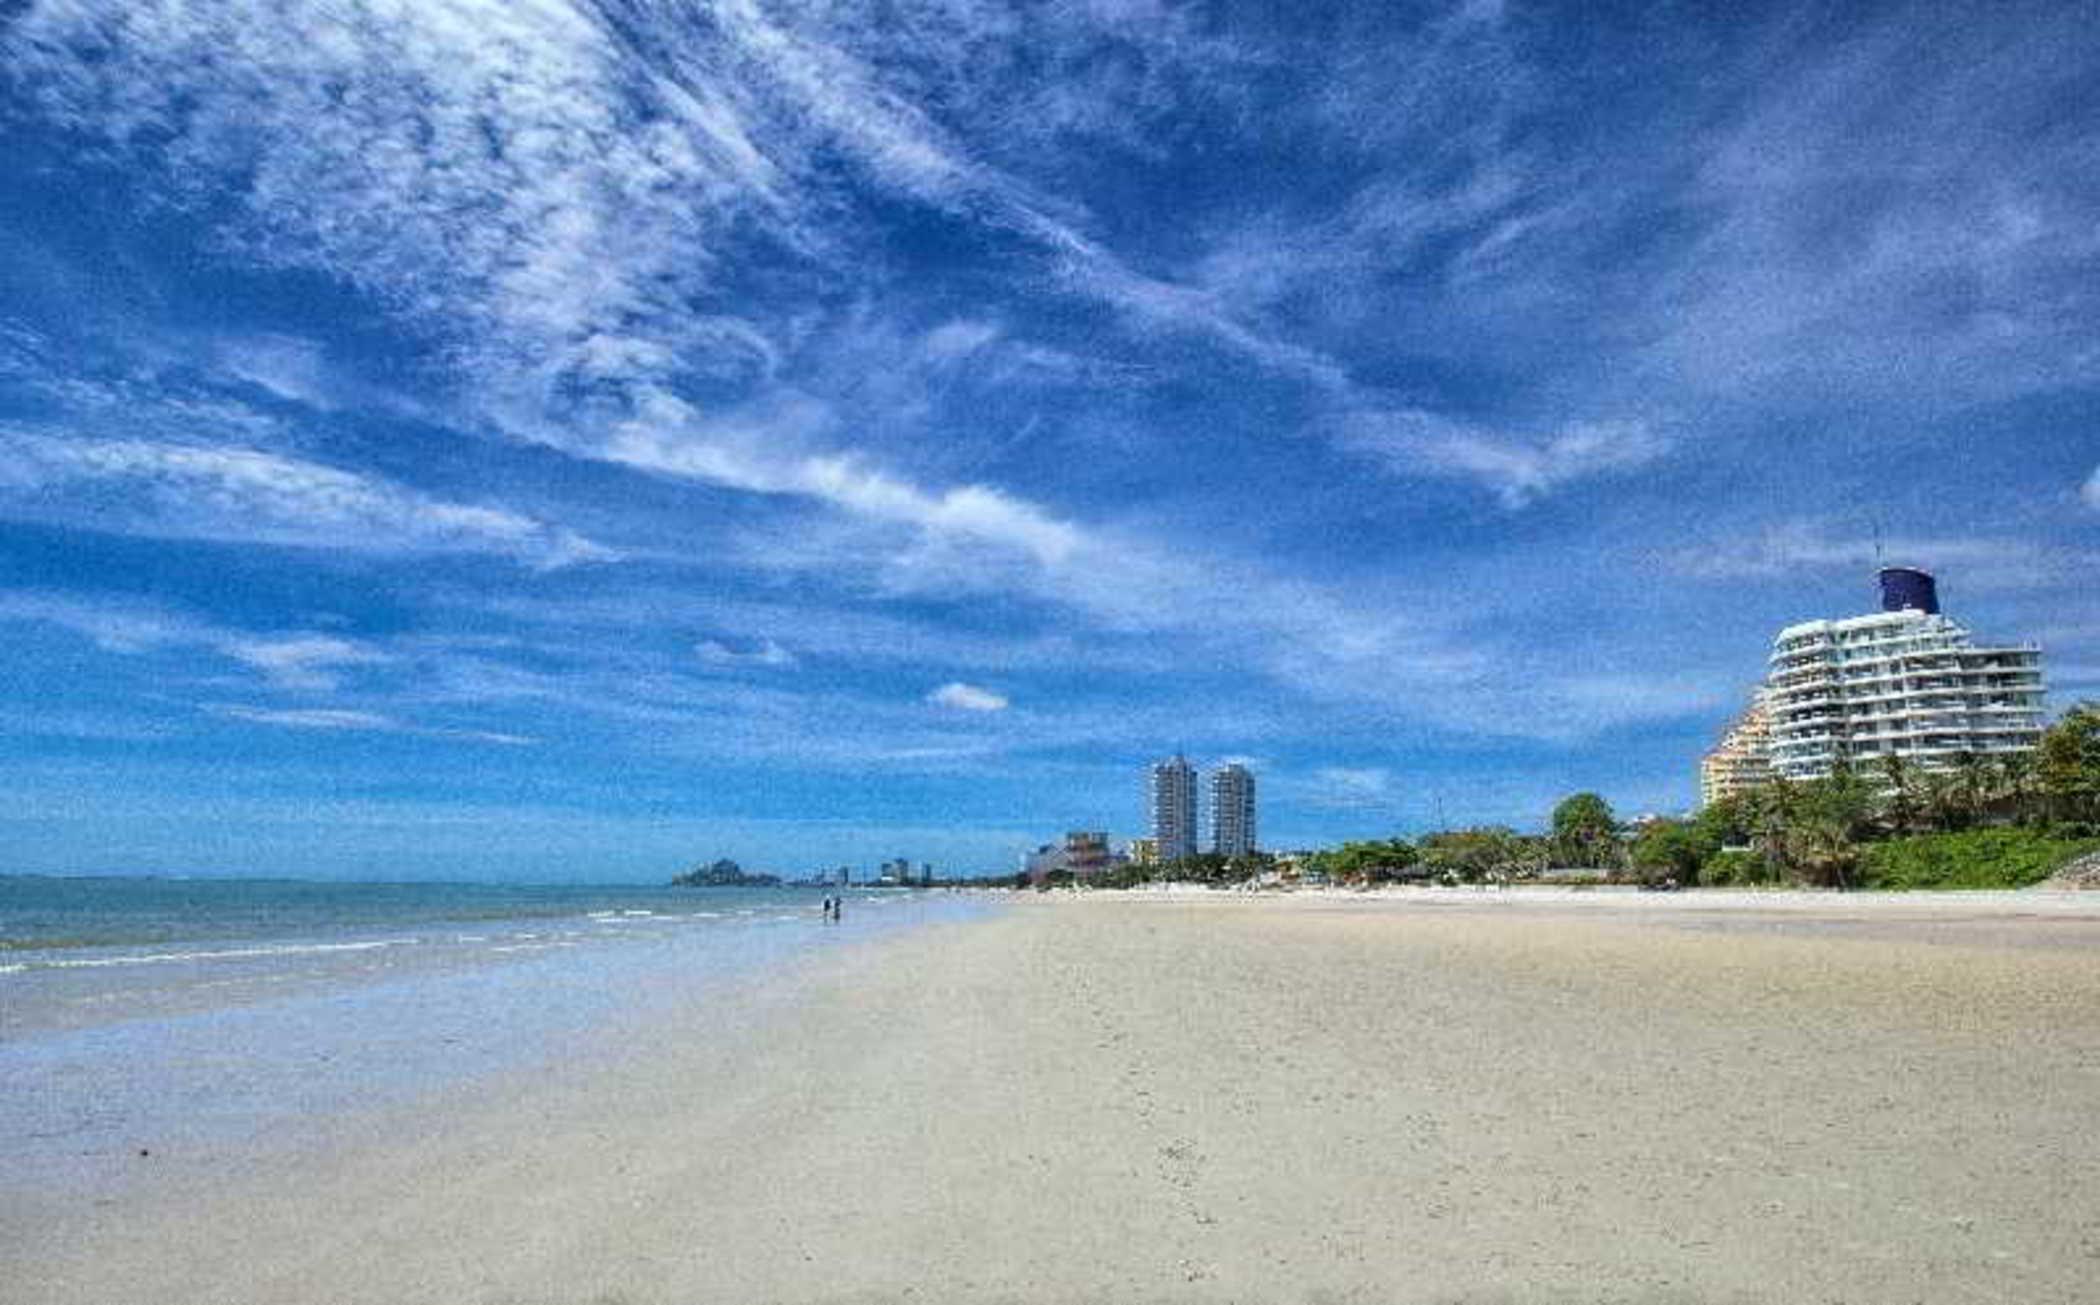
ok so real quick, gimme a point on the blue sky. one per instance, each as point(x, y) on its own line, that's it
point(546, 439)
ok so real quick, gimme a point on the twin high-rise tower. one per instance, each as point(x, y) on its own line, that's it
point(1170, 802)
point(1232, 810)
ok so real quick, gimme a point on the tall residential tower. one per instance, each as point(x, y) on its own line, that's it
point(1170, 799)
point(1742, 759)
point(1232, 810)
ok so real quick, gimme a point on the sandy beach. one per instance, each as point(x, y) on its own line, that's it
point(1213, 1097)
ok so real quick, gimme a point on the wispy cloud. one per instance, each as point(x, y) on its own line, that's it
point(870, 328)
point(714, 652)
point(289, 367)
point(236, 493)
point(309, 662)
point(966, 697)
point(118, 626)
point(1801, 546)
point(332, 719)
point(1352, 787)
point(1517, 469)
point(310, 718)
point(304, 662)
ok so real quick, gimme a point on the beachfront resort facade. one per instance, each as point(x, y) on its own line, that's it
point(1907, 682)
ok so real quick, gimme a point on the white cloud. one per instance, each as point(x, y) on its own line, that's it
point(237, 493)
point(966, 697)
point(670, 436)
point(1788, 548)
point(768, 653)
point(287, 366)
point(1519, 470)
point(350, 721)
point(958, 339)
point(312, 718)
point(1352, 786)
point(2091, 492)
point(305, 662)
point(555, 202)
point(119, 626)
point(301, 661)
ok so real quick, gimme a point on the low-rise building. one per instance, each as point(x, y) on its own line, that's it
point(1084, 853)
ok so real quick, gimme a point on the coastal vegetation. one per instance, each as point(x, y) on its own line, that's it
point(2005, 821)
point(1982, 822)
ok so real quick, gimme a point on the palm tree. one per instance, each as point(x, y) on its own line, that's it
point(1973, 777)
point(1770, 810)
point(1940, 796)
point(1900, 795)
point(2016, 783)
point(1833, 814)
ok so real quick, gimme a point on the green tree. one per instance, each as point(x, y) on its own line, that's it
point(1584, 831)
point(1668, 849)
point(1941, 801)
point(2067, 766)
point(1901, 807)
point(1772, 808)
point(1830, 820)
point(2015, 783)
point(1475, 854)
point(1368, 861)
point(1972, 784)
point(1726, 823)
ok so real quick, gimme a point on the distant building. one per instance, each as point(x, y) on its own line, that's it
point(1232, 831)
point(1170, 798)
point(1741, 760)
point(1084, 853)
point(902, 872)
point(1906, 682)
point(1144, 851)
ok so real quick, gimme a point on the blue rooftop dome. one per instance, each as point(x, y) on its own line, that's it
point(1906, 588)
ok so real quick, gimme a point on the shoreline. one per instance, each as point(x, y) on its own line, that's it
point(1217, 1096)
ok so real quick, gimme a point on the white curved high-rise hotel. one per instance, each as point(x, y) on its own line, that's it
point(1905, 681)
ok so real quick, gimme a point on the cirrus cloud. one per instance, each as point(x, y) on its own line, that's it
point(237, 493)
point(966, 697)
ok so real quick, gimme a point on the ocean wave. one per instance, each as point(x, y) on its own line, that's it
point(223, 954)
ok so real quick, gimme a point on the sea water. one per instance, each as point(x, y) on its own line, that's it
point(201, 1014)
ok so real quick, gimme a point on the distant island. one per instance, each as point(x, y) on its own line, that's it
point(723, 874)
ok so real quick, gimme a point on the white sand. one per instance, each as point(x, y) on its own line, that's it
point(1161, 1098)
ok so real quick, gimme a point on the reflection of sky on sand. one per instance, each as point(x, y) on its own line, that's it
point(214, 1061)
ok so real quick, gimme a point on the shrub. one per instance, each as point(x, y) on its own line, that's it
point(1977, 858)
point(1736, 867)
